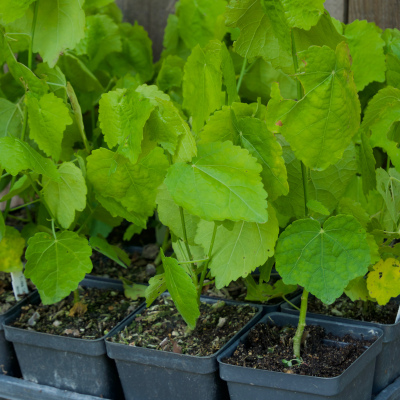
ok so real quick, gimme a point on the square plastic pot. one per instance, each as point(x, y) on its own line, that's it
point(8, 359)
point(355, 383)
point(387, 367)
point(392, 392)
point(153, 374)
point(19, 389)
point(78, 365)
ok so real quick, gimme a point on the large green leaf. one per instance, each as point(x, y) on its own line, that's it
point(10, 10)
point(59, 26)
point(17, 156)
point(181, 289)
point(200, 21)
point(303, 13)
point(112, 252)
point(123, 114)
point(48, 118)
point(156, 287)
point(222, 182)
point(66, 195)
point(388, 185)
point(134, 186)
point(253, 135)
point(101, 38)
point(202, 83)
point(323, 260)
point(366, 49)
point(12, 248)
point(169, 215)
point(320, 126)
point(54, 78)
point(171, 73)
point(56, 265)
point(263, 31)
point(10, 119)
point(239, 248)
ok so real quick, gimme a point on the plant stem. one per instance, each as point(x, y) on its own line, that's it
point(165, 246)
point(77, 298)
point(304, 172)
point(205, 267)
point(5, 175)
point(24, 205)
point(30, 53)
point(289, 302)
point(185, 239)
point(242, 73)
point(296, 68)
point(53, 229)
point(301, 325)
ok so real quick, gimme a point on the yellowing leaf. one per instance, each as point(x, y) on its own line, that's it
point(11, 249)
point(384, 281)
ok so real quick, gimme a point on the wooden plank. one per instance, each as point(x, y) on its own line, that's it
point(336, 8)
point(385, 13)
point(152, 15)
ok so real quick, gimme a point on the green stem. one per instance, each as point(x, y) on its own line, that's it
point(53, 229)
point(18, 218)
point(304, 172)
point(289, 302)
point(205, 267)
point(30, 54)
point(24, 205)
point(301, 325)
point(5, 175)
point(165, 246)
point(8, 204)
point(77, 298)
point(192, 262)
point(242, 73)
point(296, 68)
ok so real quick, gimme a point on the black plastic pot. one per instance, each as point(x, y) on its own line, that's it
point(392, 392)
point(18, 389)
point(152, 374)
point(387, 367)
point(256, 384)
point(8, 360)
point(78, 365)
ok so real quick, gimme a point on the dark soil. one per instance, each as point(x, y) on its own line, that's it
point(268, 346)
point(7, 298)
point(105, 309)
point(358, 310)
point(140, 270)
point(161, 327)
point(145, 237)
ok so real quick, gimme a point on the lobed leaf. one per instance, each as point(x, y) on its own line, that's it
point(12, 247)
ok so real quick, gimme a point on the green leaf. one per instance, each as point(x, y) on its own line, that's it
point(223, 182)
point(59, 26)
point(357, 289)
point(182, 290)
point(137, 50)
point(123, 114)
point(112, 252)
point(366, 49)
point(17, 156)
point(382, 112)
point(202, 81)
point(264, 292)
point(133, 291)
point(12, 248)
point(10, 10)
point(238, 251)
point(54, 78)
point(384, 281)
point(56, 265)
point(323, 260)
point(388, 185)
point(2, 227)
point(10, 119)
point(392, 70)
point(318, 207)
point(19, 186)
point(48, 118)
point(79, 75)
point(169, 215)
point(134, 186)
point(156, 287)
point(351, 207)
point(263, 32)
point(66, 195)
point(303, 14)
point(367, 164)
point(101, 38)
point(131, 231)
point(329, 113)
point(171, 73)
point(200, 21)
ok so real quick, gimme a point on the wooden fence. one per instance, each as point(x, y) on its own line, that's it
point(153, 14)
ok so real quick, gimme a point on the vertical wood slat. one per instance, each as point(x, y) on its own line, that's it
point(385, 13)
point(152, 15)
point(337, 9)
